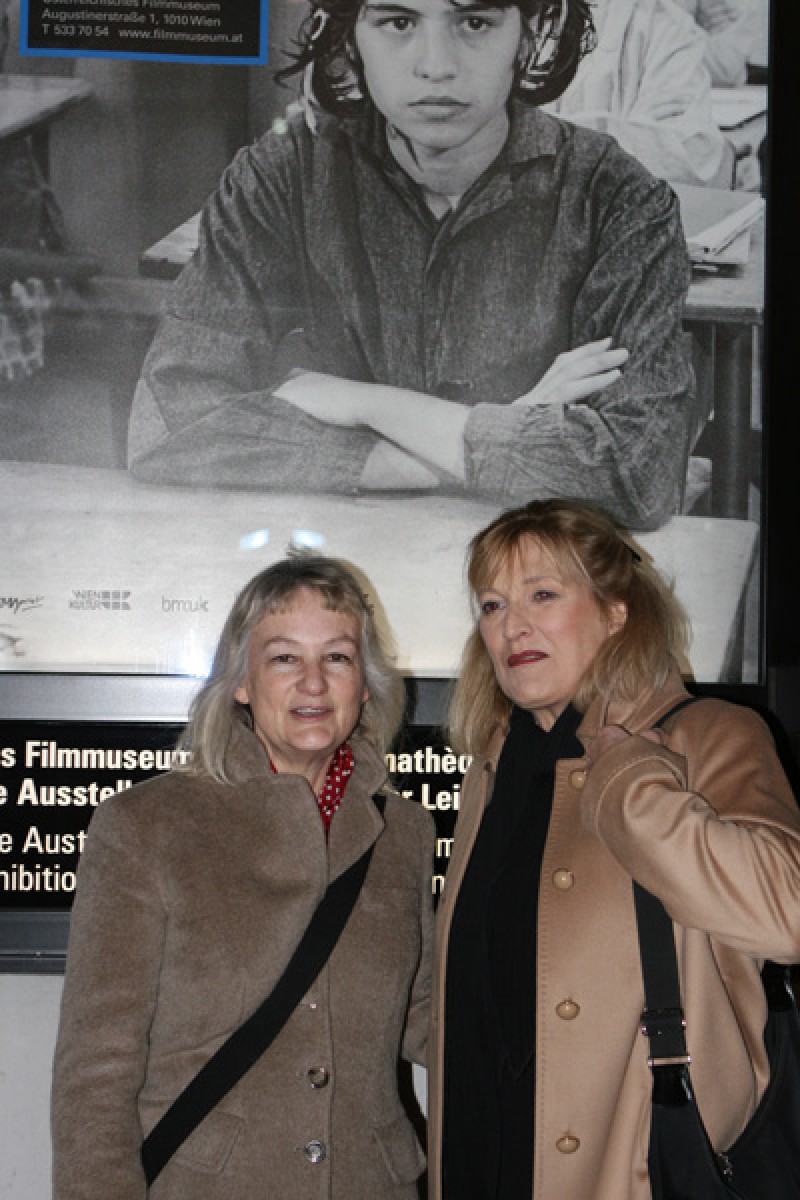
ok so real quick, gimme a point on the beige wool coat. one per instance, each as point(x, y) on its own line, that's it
point(710, 826)
point(191, 898)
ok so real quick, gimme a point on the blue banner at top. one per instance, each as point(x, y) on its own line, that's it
point(206, 31)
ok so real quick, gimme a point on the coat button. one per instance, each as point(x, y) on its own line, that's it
point(567, 1144)
point(314, 1151)
point(318, 1077)
point(568, 1010)
point(578, 777)
point(563, 879)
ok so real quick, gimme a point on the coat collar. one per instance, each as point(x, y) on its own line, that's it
point(245, 758)
point(636, 715)
point(356, 825)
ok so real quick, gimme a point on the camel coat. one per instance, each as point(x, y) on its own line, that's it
point(191, 898)
point(711, 827)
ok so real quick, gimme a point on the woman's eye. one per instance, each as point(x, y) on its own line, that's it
point(543, 594)
point(283, 658)
point(339, 656)
point(488, 607)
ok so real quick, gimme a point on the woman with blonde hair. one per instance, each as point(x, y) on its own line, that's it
point(538, 1075)
point(199, 888)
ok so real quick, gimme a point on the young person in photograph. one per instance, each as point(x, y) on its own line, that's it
point(424, 282)
point(734, 36)
point(195, 890)
point(648, 84)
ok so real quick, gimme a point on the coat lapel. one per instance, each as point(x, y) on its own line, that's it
point(358, 823)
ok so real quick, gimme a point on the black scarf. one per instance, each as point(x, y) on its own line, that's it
point(491, 972)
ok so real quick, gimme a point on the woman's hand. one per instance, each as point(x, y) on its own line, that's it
point(609, 736)
point(577, 374)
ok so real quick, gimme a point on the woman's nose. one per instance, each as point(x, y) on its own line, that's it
point(436, 55)
point(517, 622)
point(313, 679)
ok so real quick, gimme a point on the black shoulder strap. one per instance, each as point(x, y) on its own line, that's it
point(247, 1043)
point(672, 712)
point(662, 1019)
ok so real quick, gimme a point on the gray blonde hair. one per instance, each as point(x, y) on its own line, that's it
point(587, 545)
point(215, 712)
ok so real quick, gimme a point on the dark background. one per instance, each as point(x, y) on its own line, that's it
point(781, 380)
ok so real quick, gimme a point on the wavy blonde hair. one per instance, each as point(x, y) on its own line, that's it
point(215, 712)
point(586, 545)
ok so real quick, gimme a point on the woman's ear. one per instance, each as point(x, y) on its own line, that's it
point(241, 695)
point(617, 616)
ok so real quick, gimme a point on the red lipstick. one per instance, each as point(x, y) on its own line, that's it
point(525, 656)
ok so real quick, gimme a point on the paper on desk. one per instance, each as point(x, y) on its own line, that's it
point(733, 107)
point(735, 254)
point(714, 219)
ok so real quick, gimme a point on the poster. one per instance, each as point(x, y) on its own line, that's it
point(54, 775)
point(129, 572)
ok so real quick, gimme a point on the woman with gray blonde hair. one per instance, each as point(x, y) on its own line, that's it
point(539, 1083)
point(198, 889)
point(212, 716)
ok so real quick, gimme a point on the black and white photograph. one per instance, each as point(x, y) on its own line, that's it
point(431, 261)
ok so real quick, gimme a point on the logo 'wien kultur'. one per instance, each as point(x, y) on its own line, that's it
point(92, 600)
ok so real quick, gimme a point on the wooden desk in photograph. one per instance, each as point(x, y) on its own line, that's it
point(30, 103)
point(741, 114)
point(122, 576)
point(724, 310)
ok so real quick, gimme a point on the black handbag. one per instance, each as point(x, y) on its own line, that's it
point(247, 1043)
point(764, 1161)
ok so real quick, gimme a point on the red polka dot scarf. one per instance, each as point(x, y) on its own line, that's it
point(339, 772)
